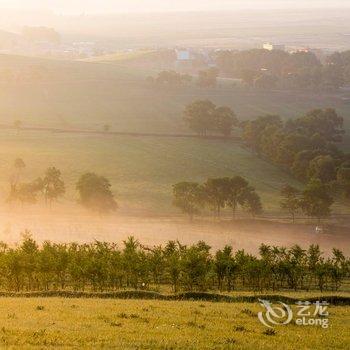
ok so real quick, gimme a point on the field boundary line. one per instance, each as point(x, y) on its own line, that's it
point(118, 133)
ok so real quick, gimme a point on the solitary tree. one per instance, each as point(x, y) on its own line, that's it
point(188, 197)
point(291, 200)
point(19, 166)
point(95, 193)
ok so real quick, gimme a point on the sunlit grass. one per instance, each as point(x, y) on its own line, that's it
point(95, 323)
point(142, 170)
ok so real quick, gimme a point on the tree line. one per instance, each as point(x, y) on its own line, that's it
point(216, 194)
point(94, 191)
point(306, 147)
point(236, 193)
point(204, 118)
point(206, 78)
point(102, 266)
point(264, 69)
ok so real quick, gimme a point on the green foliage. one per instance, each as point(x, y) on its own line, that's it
point(316, 200)
point(102, 266)
point(52, 185)
point(264, 69)
point(291, 200)
point(172, 78)
point(305, 146)
point(343, 178)
point(95, 193)
point(217, 194)
point(200, 115)
point(323, 168)
point(203, 117)
point(188, 196)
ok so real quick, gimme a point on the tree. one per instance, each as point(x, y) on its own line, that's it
point(19, 166)
point(52, 185)
point(188, 197)
point(301, 164)
point(24, 193)
point(172, 78)
point(323, 168)
point(327, 123)
point(236, 190)
point(200, 116)
point(291, 200)
point(253, 130)
point(252, 202)
point(225, 120)
point(343, 178)
point(316, 200)
point(216, 192)
point(95, 193)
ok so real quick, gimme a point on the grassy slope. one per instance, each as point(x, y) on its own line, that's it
point(142, 170)
point(92, 94)
point(121, 57)
point(85, 323)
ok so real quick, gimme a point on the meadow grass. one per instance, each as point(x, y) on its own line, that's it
point(141, 170)
point(81, 94)
point(134, 324)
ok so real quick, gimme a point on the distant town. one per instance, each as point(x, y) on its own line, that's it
point(47, 42)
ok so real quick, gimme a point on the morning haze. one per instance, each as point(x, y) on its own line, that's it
point(179, 151)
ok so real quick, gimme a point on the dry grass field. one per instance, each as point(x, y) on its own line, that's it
point(38, 323)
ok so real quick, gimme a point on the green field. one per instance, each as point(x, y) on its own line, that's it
point(80, 94)
point(29, 323)
point(142, 169)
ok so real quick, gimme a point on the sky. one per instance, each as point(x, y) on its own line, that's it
point(115, 6)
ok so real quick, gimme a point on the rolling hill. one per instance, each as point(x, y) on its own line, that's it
point(89, 95)
point(82, 95)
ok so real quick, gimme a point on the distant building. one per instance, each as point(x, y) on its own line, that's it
point(274, 47)
point(184, 58)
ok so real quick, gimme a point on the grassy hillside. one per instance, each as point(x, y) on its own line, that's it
point(80, 94)
point(142, 170)
point(130, 324)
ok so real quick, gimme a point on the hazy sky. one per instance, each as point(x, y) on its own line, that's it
point(103, 6)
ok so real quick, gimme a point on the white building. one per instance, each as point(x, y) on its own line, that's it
point(274, 47)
